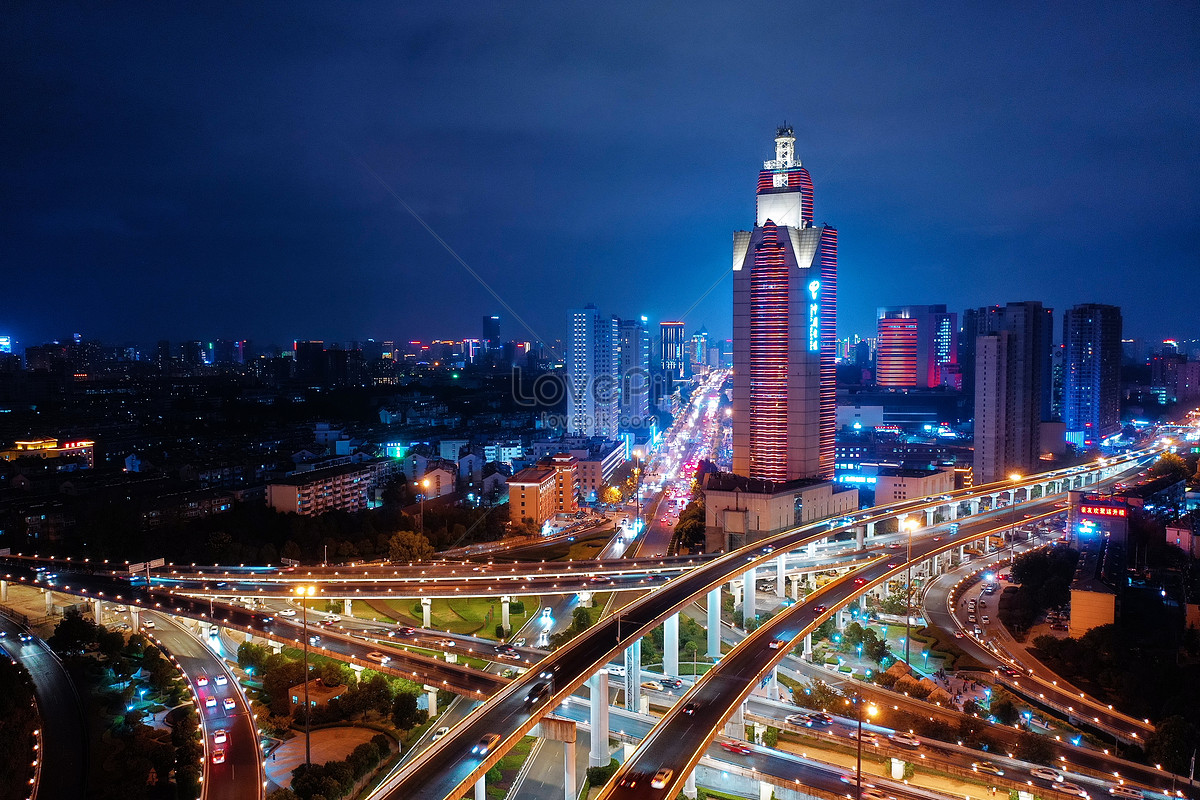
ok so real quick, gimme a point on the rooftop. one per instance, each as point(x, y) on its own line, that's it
point(728, 482)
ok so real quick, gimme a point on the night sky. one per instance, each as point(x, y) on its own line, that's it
point(219, 171)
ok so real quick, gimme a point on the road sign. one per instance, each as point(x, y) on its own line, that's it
point(290, 562)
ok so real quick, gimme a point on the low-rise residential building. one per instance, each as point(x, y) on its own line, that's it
point(531, 494)
point(740, 510)
point(343, 488)
point(319, 694)
point(909, 484)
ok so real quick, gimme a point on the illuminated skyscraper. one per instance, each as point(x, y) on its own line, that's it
point(1092, 372)
point(673, 350)
point(918, 347)
point(784, 329)
point(634, 369)
point(592, 373)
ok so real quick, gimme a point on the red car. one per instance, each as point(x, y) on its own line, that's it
point(818, 610)
point(736, 747)
point(860, 581)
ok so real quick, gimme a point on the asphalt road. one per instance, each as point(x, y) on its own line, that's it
point(64, 740)
point(240, 776)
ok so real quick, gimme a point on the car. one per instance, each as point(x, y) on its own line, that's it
point(445, 643)
point(202, 680)
point(288, 612)
point(439, 733)
point(1126, 791)
point(537, 693)
point(893, 564)
point(25, 637)
point(905, 739)
point(122, 609)
point(377, 656)
point(520, 642)
point(652, 685)
point(148, 624)
point(1072, 789)
point(894, 546)
point(860, 581)
point(986, 767)
point(985, 619)
point(672, 683)
point(600, 579)
point(314, 640)
point(978, 631)
point(325, 623)
point(510, 655)
point(406, 631)
point(222, 680)
point(228, 704)
point(797, 719)
point(690, 709)
point(333, 618)
point(210, 702)
point(220, 737)
point(820, 718)
point(508, 673)
point(971, 618)
point(661, 778)
point(736, 747)
point(958, 634)
point(547, 612)
point(776, 644)
point(219, 756)
point(124, 626)
point(485, 745)
point(819, 609)
point(630, 781)
point(866, 736)
point(1045, 774)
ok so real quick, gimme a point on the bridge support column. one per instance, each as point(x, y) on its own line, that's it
point(481, 788)
point(974, 506)
point(3, 591)
point(598, 684)
point(749, 598)
point(671, 646)
point(735, 726)
point(98, 611)
point(795, 587)
point(962, 554)
point(808, 654)
point(348, 606)
point(773, 684)
point(736, 591)
point(714, 623)
point(860, 538)
point(812, 549)
point(689, 786)
point(431, 696)
point(569, 790)
point(276, 647)
point(426, 607)
point(49, 602)
point(841, 619)
point(781, 576)
point(929, 513)
point(505, 601)
point(954, 511)
point(870, 530)
point(633, 676)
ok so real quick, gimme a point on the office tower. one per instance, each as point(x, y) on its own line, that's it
point(634, 369)
point(593, 382)
point(193, 353)
point(918, 347)
point(1091, 372)
point(491, 332)
point(1012, 387)
point(673, 350)
point(698, 349)
point(784, 329)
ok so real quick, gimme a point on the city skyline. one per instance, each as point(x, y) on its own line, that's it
point(988, 153)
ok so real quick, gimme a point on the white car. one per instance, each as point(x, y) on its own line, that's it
point(1045, 774)
point(660, 778)
point(228, 704)
point(1072, 789)
point(377, 656)
point(288, 612)
point(210, 702)
point(439, 733)
point(547, 612)
point(222, 680)
point(905, 739)
point(220, 737)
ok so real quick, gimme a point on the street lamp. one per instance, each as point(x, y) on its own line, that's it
point(424, 487)
point(306, 591)
point(871, 710)
point(1012, 540)
point(909, 525)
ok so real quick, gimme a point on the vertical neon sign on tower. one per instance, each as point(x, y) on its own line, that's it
point(814, 316)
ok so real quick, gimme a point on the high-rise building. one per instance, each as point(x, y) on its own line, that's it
point(1011, 387)
point(784, 329)
point(698, 349)
point(917, 347)
point(673, 350)
point(594, 387)
point(634, 368)
point(1091, 372)
point(491, 332)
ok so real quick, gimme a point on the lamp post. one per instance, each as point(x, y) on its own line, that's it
point(306, 591)
point(1012, 534)
point(695, 652)
point(871, 711)
point(424, 486)
point(910, 525)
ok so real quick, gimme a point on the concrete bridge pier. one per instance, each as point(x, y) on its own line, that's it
point(633, 676)
point(781, 576)
point(773, 684)
point(860, 538)
point(735, 726)
point(505, 602)
point(749, 598)
point(98, 611)
point(671, 646)
point(431, 697)
point(49, 602)
point(841, 619)
point(794, 580)
point(348, 606)
point(426, 608)
point(870, 530)
point(481, 788)
point(808, 651)
point(714, 623)
point(598, 684)
point(3, 591)
point(689, 786)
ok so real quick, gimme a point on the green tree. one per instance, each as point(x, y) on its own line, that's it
point(1172, 743)
point(73, 632)
point(1031, 747)
point(1170, 465)
point(409, 546)
point(405, 713)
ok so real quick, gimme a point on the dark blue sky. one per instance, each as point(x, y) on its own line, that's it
point(199, 173)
